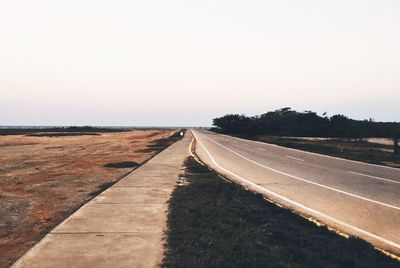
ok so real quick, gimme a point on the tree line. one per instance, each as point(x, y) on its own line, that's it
point(288, 122)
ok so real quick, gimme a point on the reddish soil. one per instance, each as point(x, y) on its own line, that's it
point(45, 179)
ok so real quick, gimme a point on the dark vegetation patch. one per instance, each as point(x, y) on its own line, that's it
point(124, 164)
point(350, 149)
point(287, 122)
point(160, 144)
point(215, 223)
point(62, 134)
point(83, 129)
point(101, 188)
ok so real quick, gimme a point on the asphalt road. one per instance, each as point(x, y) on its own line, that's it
point(353, 197)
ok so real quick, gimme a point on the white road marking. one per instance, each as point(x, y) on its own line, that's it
point(290, 201)
point(295, 158)
point(373, 177)
point(262, 149)
point(304, 180)
point(191, 146)
point(307, 152)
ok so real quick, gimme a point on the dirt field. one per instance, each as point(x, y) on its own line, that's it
point(44, 179)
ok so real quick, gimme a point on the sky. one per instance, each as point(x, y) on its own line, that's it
point(183, 62)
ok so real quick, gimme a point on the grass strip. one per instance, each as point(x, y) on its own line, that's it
point(362, 151)
point(215, 223)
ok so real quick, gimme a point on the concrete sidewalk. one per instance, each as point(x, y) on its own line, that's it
point(121, 227)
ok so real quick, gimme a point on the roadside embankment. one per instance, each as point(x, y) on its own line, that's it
point(215, 223)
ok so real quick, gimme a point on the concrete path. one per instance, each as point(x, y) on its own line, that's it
point(121, 227)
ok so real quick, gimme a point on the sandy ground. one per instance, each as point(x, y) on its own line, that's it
point(44, 179)
point(384, 141)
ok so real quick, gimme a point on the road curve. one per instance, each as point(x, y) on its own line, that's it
point(357, 198)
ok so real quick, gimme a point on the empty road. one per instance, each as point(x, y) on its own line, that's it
point(357, 198)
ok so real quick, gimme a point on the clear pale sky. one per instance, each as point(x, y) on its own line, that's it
point(174, 63)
